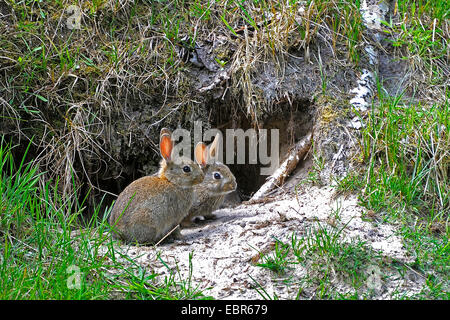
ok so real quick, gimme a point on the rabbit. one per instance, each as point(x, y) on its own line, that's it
point(218, 182)
point(150, 207)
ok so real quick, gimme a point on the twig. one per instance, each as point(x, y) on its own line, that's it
point(279, 176)
point(168, 233)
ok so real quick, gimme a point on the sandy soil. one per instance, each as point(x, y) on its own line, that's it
point(225, 249)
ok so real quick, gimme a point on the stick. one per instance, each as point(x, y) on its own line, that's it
point(168, 233)
point(280, 175)
point(221, 76)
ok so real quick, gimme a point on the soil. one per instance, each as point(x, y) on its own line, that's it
point(227, 249)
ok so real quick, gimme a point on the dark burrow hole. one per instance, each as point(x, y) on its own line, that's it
point(293, 120)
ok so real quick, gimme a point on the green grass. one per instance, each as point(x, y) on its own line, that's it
point(46, 253)
point(407, 148)
point(335, 268)
point(328, 261)
point(420, 27)
point(405, 180)
point(277, 261)
point(326, 255)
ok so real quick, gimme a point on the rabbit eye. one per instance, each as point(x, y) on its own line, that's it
point(217, 176)
point(187, 169)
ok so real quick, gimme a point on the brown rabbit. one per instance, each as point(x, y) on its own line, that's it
point(151, 206)
point(218, 182)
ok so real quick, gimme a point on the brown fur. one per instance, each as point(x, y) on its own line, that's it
point(210, 194)
point(151, 206)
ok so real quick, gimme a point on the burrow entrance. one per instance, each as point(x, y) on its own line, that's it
point(293, 120)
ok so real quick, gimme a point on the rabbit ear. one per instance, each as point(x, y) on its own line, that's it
point(201, 156)
point(214, 148)
point(164, 131)
point(166, 146)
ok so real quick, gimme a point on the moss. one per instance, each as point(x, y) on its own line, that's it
point(329, 111)
point(327, 114)
point(223, 52)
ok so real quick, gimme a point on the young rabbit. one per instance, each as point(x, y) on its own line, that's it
point(218, 182)
point(151, 206)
